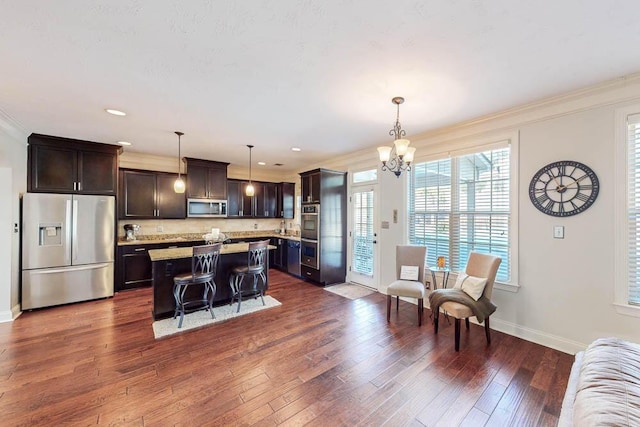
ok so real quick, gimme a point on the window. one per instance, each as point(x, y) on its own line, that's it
point(633, 209)
point(365, 176)
point(463, 204)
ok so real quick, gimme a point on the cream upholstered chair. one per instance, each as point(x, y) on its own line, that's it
point(408, 255)
point(480, 266)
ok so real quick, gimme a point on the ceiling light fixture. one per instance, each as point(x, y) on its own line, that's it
point(124, 143)
point(249, 190)
point(178, 185)
point(399, 157)
point(115, 112)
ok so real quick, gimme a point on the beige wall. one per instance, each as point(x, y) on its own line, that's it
point(13, 182)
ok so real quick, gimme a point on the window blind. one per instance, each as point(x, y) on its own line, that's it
point(633, 207)
point(462, 204)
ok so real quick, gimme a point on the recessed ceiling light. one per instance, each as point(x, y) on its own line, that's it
point(124, 143)
point(261, 163)
point(115, 112)
point(296, 149)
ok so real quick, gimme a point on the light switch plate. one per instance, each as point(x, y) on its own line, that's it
point(558, 232)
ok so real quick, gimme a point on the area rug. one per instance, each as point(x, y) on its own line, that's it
point(198, 319)
point(350, 290)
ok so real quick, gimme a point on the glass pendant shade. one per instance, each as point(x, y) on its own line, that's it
point(401, 146)
point(408, 157)
point(249, 190)
point(385, 153)
point(179, 186)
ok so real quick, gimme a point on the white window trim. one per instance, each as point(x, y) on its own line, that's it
point(621, 292)
point(470, 145)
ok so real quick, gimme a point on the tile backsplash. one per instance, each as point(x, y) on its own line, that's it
point(200, 225)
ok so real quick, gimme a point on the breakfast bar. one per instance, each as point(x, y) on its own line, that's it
point(167, 263)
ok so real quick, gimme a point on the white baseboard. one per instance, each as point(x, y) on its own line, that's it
point(10, 315)
point(548, 340)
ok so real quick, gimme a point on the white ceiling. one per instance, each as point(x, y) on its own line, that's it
point(319, 75)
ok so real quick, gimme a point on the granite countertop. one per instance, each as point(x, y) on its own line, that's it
point(187, 252)
point(148, 239)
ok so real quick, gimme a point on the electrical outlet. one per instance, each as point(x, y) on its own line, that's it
point(255, 226)
point(159, 228)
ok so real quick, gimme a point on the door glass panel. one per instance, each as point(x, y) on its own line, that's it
point(363, 235)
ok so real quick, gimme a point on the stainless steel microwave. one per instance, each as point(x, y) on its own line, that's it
point(206, 208)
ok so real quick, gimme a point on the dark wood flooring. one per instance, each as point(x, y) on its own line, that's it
point(319, 359)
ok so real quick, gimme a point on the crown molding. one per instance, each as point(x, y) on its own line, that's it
point(13, 128)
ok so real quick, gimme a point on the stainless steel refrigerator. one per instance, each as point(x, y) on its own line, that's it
point(67, 248)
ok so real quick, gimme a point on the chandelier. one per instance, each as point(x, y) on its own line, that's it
point(397, 158)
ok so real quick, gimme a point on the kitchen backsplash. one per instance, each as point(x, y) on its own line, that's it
point(177, 226)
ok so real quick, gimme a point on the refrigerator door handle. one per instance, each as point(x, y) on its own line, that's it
point(74, 243)
point(66, 269)
point(67, 234)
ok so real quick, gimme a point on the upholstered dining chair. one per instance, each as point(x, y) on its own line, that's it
point(408, 256)
point(255, 268)
point(467, 298)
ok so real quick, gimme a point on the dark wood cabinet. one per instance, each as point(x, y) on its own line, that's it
point(278, 256)
point(239, 205)
point(64, 165)
point(272, 193)
point(133, 265)
point(270, 200)
point(286, 200)
point(311, 182)
point(206, 179)
point(149, 194)
point(331, 194)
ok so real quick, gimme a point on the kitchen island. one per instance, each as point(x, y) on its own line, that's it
point(167, 263)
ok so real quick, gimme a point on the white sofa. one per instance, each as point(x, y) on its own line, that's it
point(604, 386)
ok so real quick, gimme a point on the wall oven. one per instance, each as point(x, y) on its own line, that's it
point(310, 222)
point(309, 253)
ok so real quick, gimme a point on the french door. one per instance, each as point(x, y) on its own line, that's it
point(363, 237)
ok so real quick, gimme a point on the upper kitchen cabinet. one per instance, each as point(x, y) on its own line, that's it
point(64, 165)
point(286, 200)
point(311, 186)
point(149, 194)
point(206, 179)
point(270, 199)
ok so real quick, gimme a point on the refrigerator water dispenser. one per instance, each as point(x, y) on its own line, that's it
point(50, 234)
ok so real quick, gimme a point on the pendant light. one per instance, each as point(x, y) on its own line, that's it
point(249, 190)
point(178, 185)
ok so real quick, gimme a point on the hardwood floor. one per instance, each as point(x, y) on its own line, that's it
point(319, 359)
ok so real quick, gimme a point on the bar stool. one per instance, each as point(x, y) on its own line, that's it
point(204, 263)
point(256, 267)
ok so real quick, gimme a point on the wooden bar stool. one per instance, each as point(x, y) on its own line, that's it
point(256, 267)
point(204, 263)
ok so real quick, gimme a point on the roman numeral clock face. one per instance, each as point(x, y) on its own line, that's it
point(564, 188)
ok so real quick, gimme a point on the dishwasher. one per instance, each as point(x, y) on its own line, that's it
point(293, 257)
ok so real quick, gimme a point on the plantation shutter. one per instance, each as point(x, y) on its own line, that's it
point(633, 206)
point(462, 204)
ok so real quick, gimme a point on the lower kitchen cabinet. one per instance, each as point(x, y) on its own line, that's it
point(133, 266)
